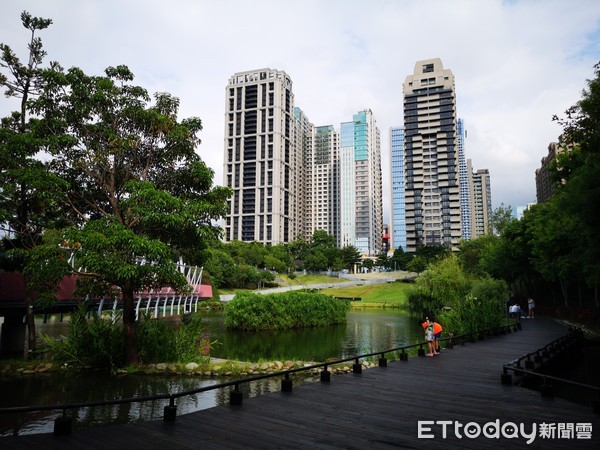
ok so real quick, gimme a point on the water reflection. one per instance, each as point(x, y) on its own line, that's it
point(365, 331)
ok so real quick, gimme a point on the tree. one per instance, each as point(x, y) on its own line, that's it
point(432, 252)
point(29, 194)
point(138, 193)
point(418, 264)
point(400, 259)
point(350, 257)
point(501, 217)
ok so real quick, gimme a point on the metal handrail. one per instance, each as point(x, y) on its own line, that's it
point(546, 389)
point(170, 410)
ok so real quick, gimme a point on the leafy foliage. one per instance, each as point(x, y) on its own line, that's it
point(97, 343)
point(249, 311)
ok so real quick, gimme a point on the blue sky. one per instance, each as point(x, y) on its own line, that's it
point(516, 63)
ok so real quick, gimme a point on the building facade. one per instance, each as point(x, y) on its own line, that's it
point(432, 193)
point(465, 182)
point(481, 201)
point(260, 157)
point(361, 203)
point(398, 228)
point(290, 178)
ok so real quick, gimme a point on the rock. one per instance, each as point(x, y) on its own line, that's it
point(192, 366)
point(278, 365)
point(264, 366)
point(161, 366)
point(288, 364)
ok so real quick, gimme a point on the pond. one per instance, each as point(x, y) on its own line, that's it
point(365, 331)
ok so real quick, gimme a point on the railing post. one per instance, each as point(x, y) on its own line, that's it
point(325, 375)
point(546, 389)
point(356, 367)
point(382, 360)
point(235, 396)
point(286, 384)
point(505, 378)
point(421, 350)
point(63, 426)
point(529, 365)
point(403, 356)
point(170, 411)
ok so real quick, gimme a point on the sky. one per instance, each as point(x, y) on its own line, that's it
point(516, 63)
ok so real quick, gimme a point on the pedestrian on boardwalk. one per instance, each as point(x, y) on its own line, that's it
point(531, 306)
point(437, 333)
point(429, 337)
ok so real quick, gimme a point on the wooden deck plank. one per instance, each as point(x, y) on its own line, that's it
point(378, 409)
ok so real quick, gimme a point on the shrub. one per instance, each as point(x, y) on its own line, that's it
point(484, 308)
point(250, 311)
point(89, 343)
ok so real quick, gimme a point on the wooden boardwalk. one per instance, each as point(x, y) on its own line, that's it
point(378, 409)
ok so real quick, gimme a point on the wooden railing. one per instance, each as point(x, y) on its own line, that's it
point(63, 425)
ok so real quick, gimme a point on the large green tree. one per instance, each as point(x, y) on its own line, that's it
point(138, 194)
point(29, 194)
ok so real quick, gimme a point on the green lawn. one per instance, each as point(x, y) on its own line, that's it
point(392, 294)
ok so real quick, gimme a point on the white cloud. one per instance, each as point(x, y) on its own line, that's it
point(516, 63)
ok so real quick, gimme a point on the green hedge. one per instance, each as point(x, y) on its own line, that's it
point(250, 311)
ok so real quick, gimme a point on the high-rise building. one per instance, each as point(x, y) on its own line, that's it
point(465, 187)
point(543, 184)
point(260, 157)
point(432, 194)
point(361, 205)
point(480, 202)
point(398, 231)
point(303, 135)
point(322, 182)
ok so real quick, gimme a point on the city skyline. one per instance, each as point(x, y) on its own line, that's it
point(516, 63)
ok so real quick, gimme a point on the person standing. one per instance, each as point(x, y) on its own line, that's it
point(429, 337)
point(531, 307)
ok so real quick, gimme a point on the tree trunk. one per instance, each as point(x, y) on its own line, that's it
point(31, 340)
point(131, 351)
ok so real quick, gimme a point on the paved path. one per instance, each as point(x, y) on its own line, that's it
point(378, 409)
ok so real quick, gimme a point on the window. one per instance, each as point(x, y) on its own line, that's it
point(427, 68)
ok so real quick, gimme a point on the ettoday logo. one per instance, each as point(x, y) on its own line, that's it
point(429, 429)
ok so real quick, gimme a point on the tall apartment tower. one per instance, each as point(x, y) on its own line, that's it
point(321, 184)
point(260, 158)
point(361, 208)
point(398, 228)
point(302, 139)
point(481, 201)
point(432, 196)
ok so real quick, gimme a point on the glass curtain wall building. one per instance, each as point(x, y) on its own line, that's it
point(398, 233)
point(465, 185)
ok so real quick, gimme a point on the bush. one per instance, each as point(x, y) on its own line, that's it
point(99, 342)
point(250, 311)
point(483, 309)
point(159, 342)
point(95, 343)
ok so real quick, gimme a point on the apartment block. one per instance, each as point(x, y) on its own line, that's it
point(431, 160)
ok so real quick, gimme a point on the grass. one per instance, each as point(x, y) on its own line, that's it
point(388, 294)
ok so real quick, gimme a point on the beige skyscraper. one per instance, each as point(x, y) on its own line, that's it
point(481, 201)
point(432, 198)
point(260, 157)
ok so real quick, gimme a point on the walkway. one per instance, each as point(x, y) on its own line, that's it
point(378, 409)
